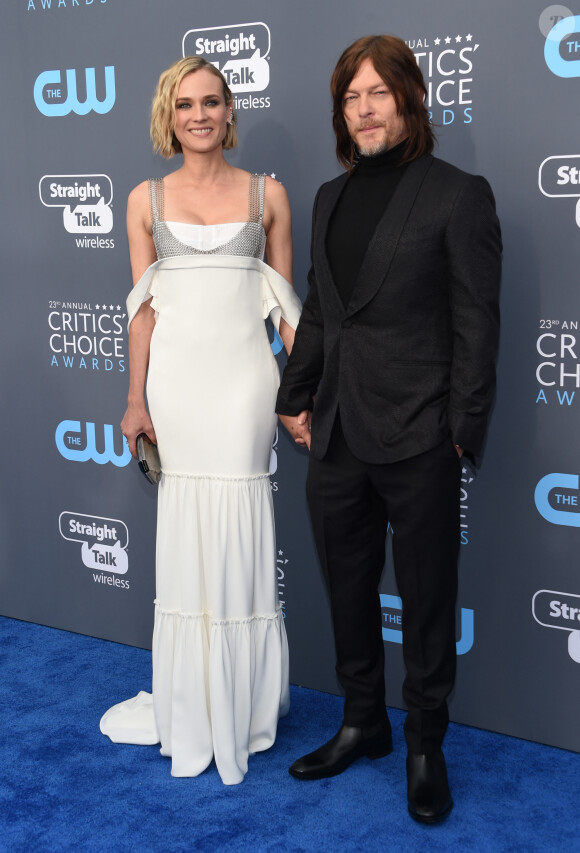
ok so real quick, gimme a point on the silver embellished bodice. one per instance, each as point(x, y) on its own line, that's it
point(248, 241)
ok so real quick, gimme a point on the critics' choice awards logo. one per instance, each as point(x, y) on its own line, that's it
point(85, 202)
point(562, 46)
point(273, 466)
point(559, 177)
point(447, 62)
point(281, 570)
point(560, 610)
point(50, 5)
point(558, 370)
point(86, 338)
point(55, 97)
point(103, 545)
point(392, 613)
point(240, 52)
point(78, 443)
point(466, 480)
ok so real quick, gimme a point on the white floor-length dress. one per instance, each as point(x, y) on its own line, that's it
point(220, 655)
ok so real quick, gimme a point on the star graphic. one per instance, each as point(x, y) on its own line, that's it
point(280, 553)
point(273, 175)
point(437, 40)
point(118, 307)
point(447, 40)
point(468, 37)
point(111, 307)
point(97, 307)
point(457, 39)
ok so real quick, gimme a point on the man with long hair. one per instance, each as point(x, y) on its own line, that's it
point(390, 381)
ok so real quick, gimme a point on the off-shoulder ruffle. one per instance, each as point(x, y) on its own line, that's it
point(279, 298)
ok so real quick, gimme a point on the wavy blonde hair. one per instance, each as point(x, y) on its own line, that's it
point(163, 107)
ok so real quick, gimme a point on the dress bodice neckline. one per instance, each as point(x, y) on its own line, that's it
point(204, 225)
point(174, 238)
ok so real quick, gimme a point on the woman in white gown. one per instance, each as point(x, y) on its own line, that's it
point(197, 339)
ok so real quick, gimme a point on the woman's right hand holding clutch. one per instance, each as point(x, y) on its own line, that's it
point(135, 421)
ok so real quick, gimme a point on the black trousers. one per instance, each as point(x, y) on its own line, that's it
point(351, 503)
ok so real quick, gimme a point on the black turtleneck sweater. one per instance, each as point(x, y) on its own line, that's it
point(362, 203)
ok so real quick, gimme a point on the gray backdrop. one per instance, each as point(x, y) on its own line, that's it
point(77, 521)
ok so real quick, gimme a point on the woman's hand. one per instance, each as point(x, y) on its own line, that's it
point(135, 421)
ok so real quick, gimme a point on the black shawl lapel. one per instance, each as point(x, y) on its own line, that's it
point(326, 204)
point(377, 260)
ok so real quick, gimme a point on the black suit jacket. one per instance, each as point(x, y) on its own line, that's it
point(411, 359)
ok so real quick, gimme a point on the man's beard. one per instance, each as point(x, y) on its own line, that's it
point(372, 150)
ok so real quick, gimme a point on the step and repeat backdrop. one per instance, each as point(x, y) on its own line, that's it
point(77, 520)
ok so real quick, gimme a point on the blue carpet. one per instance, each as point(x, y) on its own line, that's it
point(65, 787)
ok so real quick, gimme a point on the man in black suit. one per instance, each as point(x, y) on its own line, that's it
point(390, 380)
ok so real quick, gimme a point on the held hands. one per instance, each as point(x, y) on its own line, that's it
point(299, 427)
point(135, 421)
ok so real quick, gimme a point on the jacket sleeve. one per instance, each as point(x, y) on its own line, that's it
point(473, 242)
point(305, 364)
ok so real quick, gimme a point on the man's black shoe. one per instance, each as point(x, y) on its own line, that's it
point(428, 796)
point(348, 744)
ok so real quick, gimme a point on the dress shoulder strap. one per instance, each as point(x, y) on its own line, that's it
point(256, 204)
point(156, 205)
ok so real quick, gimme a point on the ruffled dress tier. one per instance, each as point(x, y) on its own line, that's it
point(220, 654)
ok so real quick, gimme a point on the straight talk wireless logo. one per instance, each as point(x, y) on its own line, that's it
point(559, 610)
point(241, 52)
point(85, 201)
point(103, 544)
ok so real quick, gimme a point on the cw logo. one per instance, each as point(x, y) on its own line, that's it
point(48, 93)
point(562, 48)
point(567, 514)
point(69, 443)
point(395, 635)
point(277, 345)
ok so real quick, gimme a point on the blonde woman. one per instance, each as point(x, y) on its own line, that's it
point(199, 348)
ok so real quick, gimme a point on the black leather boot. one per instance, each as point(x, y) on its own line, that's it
point(428, 795)
point(348, 744)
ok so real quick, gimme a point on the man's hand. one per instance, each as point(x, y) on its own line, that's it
point(299, 427)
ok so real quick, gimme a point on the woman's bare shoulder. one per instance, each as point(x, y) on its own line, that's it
point(139, 196)
point(275, 193)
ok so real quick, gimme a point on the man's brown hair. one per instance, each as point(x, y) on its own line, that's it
point(396, 65)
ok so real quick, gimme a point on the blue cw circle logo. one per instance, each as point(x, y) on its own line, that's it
point(393, 618)
point(566, 512)
point(277, 345)
point(48, 93)
point(69, 443)
point(562, 48)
